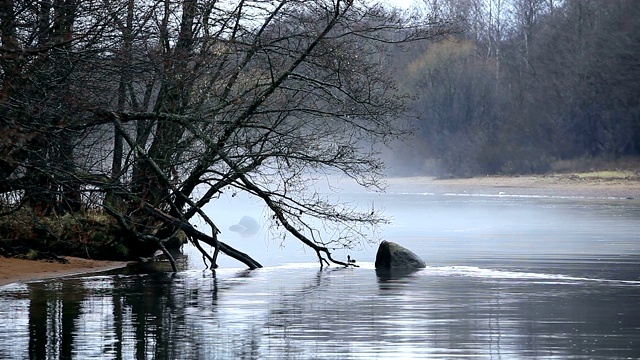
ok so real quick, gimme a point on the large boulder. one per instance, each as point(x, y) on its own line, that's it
point(393, 256)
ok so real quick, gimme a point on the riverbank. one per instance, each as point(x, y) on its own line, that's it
point(19, 270)
point(611, 184)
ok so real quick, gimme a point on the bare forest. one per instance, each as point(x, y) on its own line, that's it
point(529, 86)
point(120, 119)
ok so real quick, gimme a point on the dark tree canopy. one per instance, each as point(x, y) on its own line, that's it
point(530, 86)
point(145, 111)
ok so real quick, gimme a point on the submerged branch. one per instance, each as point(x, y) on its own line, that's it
point(198, 235)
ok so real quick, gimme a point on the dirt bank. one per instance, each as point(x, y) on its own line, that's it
point(19, 270)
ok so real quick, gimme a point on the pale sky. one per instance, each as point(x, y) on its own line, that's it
point(400, 3)
point(404, 4)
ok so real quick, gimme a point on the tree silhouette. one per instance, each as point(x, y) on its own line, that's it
point(147, 111)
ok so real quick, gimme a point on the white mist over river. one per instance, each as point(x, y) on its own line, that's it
point(445, 226)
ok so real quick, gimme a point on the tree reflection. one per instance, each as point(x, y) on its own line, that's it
point(54, 310)
point(146, 315)
point(339, 313)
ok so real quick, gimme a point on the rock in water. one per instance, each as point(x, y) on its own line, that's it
point(238, 228)
point(246, 226)
point(393, 256)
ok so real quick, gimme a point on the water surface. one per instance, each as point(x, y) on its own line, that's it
point(508, 277)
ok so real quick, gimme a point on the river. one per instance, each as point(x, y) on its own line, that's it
point(509, 277)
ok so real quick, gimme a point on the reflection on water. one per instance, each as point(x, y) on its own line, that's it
point(299, 312)
point(508, 279)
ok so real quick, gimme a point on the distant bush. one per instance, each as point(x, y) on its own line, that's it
point(600, 163)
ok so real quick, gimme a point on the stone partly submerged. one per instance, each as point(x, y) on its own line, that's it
point(247, 226)
point(393, 256)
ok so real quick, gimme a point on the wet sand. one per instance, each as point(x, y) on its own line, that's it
point(19, 270)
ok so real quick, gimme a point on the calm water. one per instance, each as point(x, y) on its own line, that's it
point(510, 277)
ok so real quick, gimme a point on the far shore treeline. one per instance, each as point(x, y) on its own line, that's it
point(530, 86)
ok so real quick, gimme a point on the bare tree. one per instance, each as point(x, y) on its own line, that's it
point(200, 96)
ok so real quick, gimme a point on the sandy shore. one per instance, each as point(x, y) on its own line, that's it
point(596, 186)
point(18, 270)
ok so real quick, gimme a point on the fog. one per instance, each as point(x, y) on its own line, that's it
point(445, 227)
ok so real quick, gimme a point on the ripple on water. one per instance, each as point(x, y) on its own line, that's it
point(508, 278)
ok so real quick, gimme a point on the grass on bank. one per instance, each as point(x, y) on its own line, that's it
point(29, 234)
point(599, 168)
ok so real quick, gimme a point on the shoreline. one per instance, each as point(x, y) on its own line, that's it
point(587, 186)
point(571, 185)
point(14, 270)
